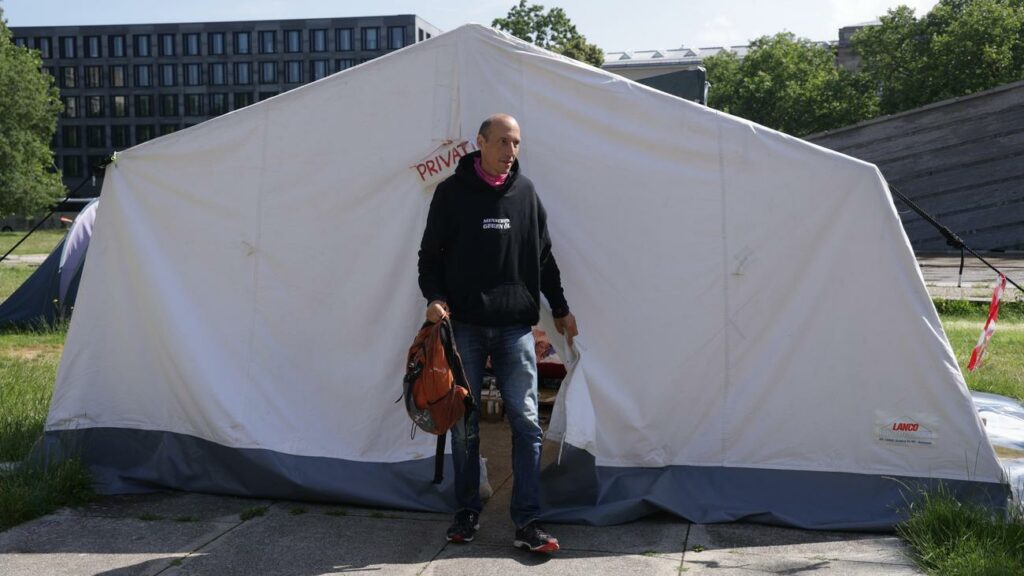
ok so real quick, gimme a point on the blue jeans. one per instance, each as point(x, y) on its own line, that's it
point(514, 361)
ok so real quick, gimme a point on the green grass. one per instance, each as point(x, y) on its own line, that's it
point(953, 539)
point(32, 491)
point(28, 369)
point(251, 513)
point(1002, 371)
point(40, 242)
point(12, 276)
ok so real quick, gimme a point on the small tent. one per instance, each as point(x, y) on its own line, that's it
point(49, 293)
point(756, 338)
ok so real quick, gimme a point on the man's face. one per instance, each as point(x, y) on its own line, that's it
point(501, 146)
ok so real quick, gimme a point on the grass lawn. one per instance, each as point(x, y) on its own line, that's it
point(28, 368)
point(40, 242)
point(12, 276)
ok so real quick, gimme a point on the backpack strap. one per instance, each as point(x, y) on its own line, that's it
point(439, 458)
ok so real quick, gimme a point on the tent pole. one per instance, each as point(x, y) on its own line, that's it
point(951, 238)
point(99, 168)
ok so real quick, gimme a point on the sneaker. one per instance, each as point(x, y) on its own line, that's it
point(534, 538)
point(464, 527)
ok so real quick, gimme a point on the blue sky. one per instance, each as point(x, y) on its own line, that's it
point(612, 25)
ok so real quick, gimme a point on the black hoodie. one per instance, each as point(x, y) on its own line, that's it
point(486, 251)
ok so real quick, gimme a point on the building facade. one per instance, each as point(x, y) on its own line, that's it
point(122, 85)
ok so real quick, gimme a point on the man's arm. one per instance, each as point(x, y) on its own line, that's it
point(551, 281)
point(431, 258)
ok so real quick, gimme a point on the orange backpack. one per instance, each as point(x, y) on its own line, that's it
point(435, 388)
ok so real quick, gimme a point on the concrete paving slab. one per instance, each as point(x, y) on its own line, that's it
point(287, 544)
point(180, 506)
point(71, 544)
point(751, 547)
point(483, 560)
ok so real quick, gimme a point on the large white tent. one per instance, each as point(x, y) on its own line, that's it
point(756, 339)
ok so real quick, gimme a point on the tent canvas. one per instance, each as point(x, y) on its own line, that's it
point(50, 292)
point(756, 338)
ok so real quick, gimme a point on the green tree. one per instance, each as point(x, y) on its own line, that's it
point(790, 84)
point(29, 105)
point(552, 30)
point(960, 47)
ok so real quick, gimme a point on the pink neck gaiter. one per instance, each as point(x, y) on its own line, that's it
point(492, 181)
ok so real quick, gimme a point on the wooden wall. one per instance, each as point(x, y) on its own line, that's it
point(961, 160)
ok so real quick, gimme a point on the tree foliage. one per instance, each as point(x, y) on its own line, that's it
point(960, 47)
point(552, 30)
point(790, 84)
point(29, 105)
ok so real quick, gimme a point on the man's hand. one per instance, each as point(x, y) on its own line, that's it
point(566, 326)
point(436, 310)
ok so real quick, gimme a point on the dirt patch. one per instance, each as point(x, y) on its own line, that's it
point(34, 352)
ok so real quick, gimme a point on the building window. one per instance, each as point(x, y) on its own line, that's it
point(71, 107)
point(117, 47)
point(396, 37)
point(243, 73)
point(268, 72)
point(69, 77)
point(268, 41)
point(293, 72)
point(21, 42)
point(67, 46)
point(69, 137)
point(242, 99)
point(166, 129)
point(44, 46)
point(94, 106)
point(96, 136)
point(144, 106)
point(370, 39)
point(242, 43)
point(119, 76)
point(268, 94)
point(318, 69)
point(143, 76)
point(167, 44)
point(119, 106)
point(218, 74)
point(344, 39)
point(143, 132)
point(318, 40)
point(142, 48)
point(421, 34)
point(346, 63)
point(218, 104)
point(93, 76)
point(72, 166)
point(119, 136)
point(193, 74)
point(168, 104)
point(191, 44)
point(92, 47)
point(216, 43)
point(193, 104)
point(292, 40)
point(168, 75)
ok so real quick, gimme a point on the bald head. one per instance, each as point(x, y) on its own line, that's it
point(498, 141)
point(500, 119)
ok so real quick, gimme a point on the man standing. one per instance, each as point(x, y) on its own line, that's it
point(485, 258)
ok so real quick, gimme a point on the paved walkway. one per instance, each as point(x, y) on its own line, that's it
point(197, 534)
